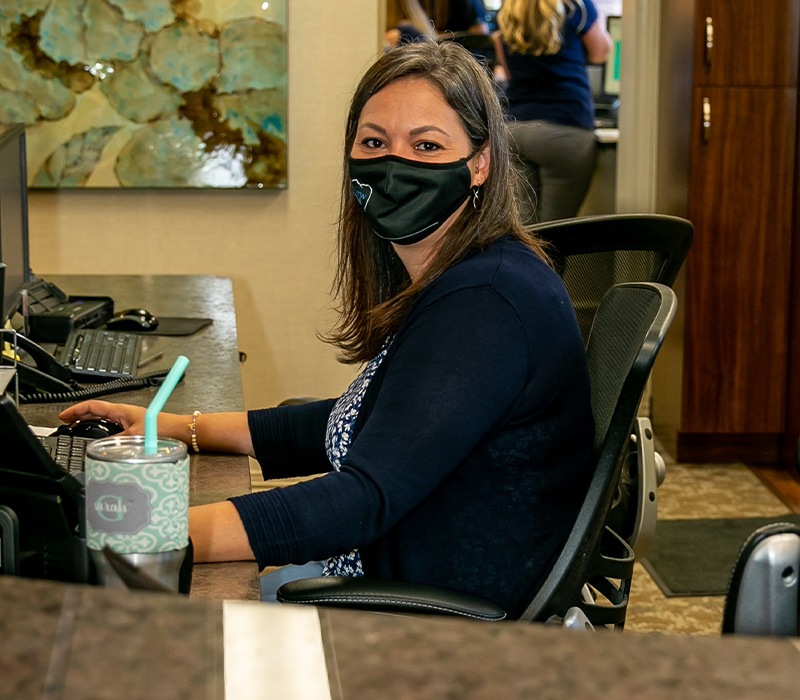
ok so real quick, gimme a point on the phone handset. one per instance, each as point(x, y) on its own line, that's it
point(38, 370)
point(48, 381)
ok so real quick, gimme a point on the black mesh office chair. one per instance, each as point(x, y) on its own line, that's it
point(592, 574)
point(763, 596)
point(592, 253)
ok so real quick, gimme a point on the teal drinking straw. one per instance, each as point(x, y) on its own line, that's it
point(151, 414)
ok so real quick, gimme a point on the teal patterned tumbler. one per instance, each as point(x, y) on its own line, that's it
point(137, 504)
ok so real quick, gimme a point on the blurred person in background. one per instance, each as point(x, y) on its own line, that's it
point(543, 47)
point(456, 16)
point(406, 21)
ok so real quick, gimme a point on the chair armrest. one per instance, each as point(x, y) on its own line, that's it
point(651, 472)
point(380, 595)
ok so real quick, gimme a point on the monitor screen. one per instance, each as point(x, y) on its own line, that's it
point(13, 216)
point(612, 65)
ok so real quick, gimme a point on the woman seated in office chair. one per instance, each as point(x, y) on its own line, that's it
point(461, 454)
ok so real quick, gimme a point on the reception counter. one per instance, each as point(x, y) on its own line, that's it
point(67, 641)
point(73, 641)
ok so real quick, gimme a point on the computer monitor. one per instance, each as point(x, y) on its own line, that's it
point(13, 217)
point(611, 68)
point(42, 518)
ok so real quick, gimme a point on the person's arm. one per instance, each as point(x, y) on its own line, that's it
point(218, 534)
point(597, 43)
point(500, 56)
point(392, 37)
point(219, 432)
point(480, 28)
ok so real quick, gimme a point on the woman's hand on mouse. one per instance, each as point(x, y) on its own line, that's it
point(131, 418)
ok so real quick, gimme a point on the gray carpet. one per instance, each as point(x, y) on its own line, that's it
point(696, 557)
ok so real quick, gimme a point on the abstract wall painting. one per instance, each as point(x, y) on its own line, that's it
point(147, 93)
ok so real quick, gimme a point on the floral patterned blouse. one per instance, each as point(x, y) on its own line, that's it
point(337, 441)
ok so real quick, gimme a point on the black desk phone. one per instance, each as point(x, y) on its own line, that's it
point(44, 379)
point(38, 370)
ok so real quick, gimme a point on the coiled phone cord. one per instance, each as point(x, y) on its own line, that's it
point(96, 390)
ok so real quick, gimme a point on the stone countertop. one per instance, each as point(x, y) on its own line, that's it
point(68, 641)
point(409, 657)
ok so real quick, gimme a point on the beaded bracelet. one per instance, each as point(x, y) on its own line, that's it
point(193, 428)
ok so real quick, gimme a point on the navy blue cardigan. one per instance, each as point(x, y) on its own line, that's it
point(472, 451)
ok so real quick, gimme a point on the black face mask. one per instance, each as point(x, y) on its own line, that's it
point(404, 200)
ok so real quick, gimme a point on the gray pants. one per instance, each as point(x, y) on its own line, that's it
point(557, 162)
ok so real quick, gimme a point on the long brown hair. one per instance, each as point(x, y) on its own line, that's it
point(534, 26)
point(373, 289)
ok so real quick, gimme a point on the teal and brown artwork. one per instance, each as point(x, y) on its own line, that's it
point(147, 93)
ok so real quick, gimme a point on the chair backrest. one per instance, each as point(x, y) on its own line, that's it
point(592, 253)
point(631, 322)
point(763, 595)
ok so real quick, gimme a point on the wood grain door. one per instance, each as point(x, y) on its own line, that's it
point(746, 42)
point(738, 272)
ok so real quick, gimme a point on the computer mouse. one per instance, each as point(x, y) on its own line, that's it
point(90, 428)
point(132, 320)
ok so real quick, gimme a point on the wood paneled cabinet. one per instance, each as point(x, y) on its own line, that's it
point(740, 386)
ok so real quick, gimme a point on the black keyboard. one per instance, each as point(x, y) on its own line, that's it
point(102, 354)
point(67, 451)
